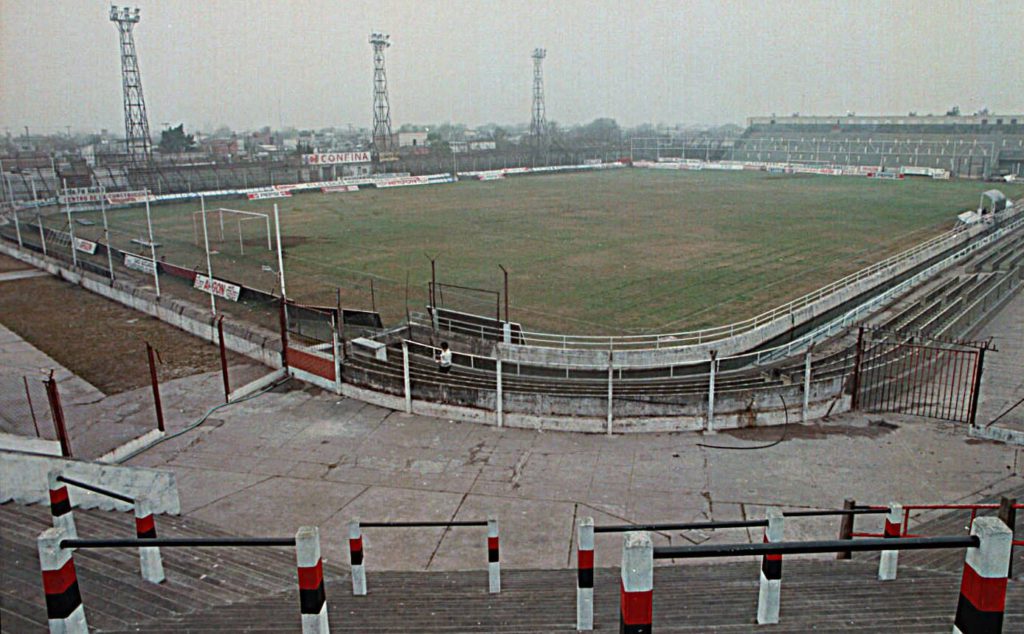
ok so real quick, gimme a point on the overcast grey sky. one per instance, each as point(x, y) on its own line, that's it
point(248, 63)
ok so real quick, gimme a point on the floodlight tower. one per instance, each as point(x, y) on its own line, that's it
point(538, 123)
point(381, 108)
point(136, 124)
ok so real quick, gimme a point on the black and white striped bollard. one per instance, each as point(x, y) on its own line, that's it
point(312, 597)
point(60, 505)
point(64, 610)
point(771, 572)
point(636, 603)
point(145, 528)
point(493, 557)
point(355, 549)
point(585, 575)
point(889, 559)
point(982, 601)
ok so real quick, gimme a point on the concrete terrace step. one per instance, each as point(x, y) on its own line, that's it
point(819, 595)
point(255, 590)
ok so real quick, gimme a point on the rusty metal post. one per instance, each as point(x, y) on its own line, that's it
point(846, 526)
point(1008, 514)
point(373, 298)
point(855, 400)
point(976, 388)
point(223, 358)
point(150, 354)
point(53, 395)
point(31, 409)
point(284, 333)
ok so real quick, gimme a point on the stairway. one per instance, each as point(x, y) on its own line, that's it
point(254, 590)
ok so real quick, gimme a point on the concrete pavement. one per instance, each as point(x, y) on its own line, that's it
point(298, 457)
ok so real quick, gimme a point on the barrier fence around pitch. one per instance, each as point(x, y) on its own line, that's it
point(356, 559)
point(66, 613)
point(982, 590)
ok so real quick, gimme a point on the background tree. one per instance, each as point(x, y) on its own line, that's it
point(174, 140)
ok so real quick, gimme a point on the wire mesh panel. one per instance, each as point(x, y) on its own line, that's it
point(931, 379)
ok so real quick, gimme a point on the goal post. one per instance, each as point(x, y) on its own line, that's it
point(239, 217)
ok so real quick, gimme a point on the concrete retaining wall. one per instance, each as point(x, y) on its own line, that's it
point(23, 479)
point(552, 412)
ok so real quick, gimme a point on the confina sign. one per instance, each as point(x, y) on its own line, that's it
point(335, 158)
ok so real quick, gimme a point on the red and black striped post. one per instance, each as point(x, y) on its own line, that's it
point(983, 587)
point(149, 556)
point(60, 505)
point(636, 604)
point(312, 597)
point(493, 559)
point(64, 609)
point(771, 572)
point(889, 559)
point(355, 549)
point(585, 575)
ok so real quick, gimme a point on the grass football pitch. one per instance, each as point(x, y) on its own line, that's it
point(622, 251)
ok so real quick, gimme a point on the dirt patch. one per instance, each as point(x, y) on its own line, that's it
point(797, 431)
point(10, 264)
point(99, 340)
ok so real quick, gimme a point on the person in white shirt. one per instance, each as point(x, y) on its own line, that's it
point(444, 358)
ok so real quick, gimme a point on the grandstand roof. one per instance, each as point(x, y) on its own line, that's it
point(846, 120)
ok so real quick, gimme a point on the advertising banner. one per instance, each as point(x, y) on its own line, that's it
point(136, 263)
point(219, 288)
point(85, 246)
point(128, 198)
point(269, 193)
point(336, 158)
point(76, 195)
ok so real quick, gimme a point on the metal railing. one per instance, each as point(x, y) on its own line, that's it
point(716, 333)
point(179, 542)
point(814, 547)
point(95, 489)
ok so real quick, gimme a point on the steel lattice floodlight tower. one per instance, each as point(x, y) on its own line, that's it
point(136, 125)
point(381, 108)
point(538, 123)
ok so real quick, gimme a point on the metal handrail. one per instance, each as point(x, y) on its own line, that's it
point(622, 528)
point(421, 524)
point(96, 489)
point(814, 547)
point(707, 335)
point(179, 542)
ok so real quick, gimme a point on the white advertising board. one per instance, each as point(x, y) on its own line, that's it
point(85, 246)
point(136, 263)
point(219, 288)
point(128, 198)
point(269, 193)
point(336, 158)
point(76, 195)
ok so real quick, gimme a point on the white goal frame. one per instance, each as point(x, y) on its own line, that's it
point(240, 217)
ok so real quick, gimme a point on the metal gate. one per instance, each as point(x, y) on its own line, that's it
point(911, 374)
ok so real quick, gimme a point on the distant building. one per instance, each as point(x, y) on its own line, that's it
point(411, 139)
